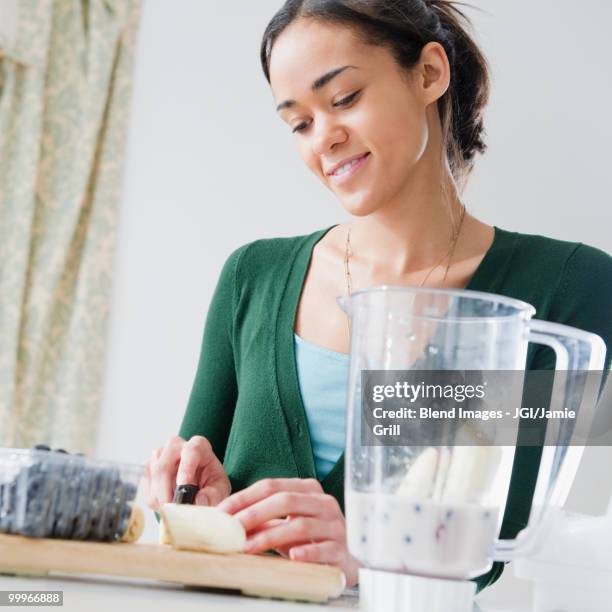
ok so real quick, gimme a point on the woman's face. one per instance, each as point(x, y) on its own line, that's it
point(348, 102)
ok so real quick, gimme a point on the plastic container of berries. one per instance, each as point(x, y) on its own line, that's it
point(53, 494)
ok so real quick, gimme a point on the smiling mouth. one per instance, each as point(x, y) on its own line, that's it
point(349, 168)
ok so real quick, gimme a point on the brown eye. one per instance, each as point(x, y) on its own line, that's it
point(347, 100)
point(300, 128)
point(344, 102)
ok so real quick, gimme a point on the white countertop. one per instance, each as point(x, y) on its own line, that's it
point(94, 593)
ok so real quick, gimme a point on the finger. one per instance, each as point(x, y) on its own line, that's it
point(302, 529)
point(330, 552)
point(267, 487)
point(164, 470)
point(284, 550)
point(212, 470)
point(201, 498)
point(280, 505)
point(268, 525)
point(147, 477)
point(195, 456)
point(212, 494)
point(214, 483)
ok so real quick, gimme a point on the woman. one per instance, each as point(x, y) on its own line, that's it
point(385, 100)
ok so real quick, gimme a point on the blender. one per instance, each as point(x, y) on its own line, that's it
point(432, 511)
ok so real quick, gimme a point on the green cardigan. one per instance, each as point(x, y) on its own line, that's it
point(246, 398)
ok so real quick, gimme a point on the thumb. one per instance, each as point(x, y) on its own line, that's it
point(201, 498)
point(213, 493)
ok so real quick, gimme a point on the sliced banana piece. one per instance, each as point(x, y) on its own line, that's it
point(203, 528)
point(164, 536)
point(471, 472)
point(135, 526)
point(419, 480)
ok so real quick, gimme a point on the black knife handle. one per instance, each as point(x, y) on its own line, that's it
point(185, 494)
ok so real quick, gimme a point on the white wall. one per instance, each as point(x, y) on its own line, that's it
point(210, 167)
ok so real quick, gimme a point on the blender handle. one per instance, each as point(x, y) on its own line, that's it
point(574, 350)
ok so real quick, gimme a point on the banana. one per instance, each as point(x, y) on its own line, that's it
point(164, 536)
point(203, 528)
point(462, 474)
point(419, 480)
point(471, 472)
point(135, 526)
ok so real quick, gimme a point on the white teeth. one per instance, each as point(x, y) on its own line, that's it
point(346, 167)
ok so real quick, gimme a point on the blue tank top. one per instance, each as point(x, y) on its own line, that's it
point(323, 377)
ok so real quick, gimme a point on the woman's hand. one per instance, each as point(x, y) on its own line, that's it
point(181, 462)
point(295, 517)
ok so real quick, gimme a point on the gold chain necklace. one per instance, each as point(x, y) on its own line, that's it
point(449, 254)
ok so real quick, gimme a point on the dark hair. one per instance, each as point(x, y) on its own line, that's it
point(405, 27)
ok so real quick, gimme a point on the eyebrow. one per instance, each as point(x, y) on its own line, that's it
point(318, 84)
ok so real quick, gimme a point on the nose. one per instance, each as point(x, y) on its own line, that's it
point(327, 134)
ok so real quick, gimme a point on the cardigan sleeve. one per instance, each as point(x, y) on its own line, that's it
point(583, 299)
point(211, 405)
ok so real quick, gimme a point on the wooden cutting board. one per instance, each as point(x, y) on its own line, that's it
point(260, 575)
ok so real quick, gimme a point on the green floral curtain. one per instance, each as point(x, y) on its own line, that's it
point(65, 82)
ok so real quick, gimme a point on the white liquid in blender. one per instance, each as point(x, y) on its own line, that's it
point(420, 536)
